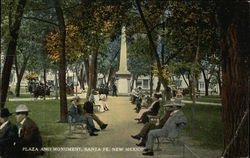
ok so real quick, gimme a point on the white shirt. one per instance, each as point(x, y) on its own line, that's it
point(3, 125)
point(20, 128)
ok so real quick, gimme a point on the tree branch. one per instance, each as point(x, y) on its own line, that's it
point(42, 20)
point(157, 25)
point(170, 57)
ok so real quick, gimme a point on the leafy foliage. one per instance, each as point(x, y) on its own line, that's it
point(74, 44)
point(31, 77)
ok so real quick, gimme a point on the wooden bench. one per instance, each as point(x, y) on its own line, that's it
point(174, 141)
point(73, 125)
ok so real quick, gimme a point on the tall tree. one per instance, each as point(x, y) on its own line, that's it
point(11, 49)
point(233, 18)
point(101, 21)
point(62, 62)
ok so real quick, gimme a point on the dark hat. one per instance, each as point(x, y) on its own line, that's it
point(157, 96)
point(5, 113)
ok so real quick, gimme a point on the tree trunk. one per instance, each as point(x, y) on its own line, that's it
point(18, 87)
point(19, 74)
point(158, 87)
point(194, 83)
point(151, 84)
point(111, 72)
point(62, 63)
point(132, 83)
point(92, 71)
point(154, 53)
point(234, 28)
point(45, 82)
point(80, 76)
point(184, 78)
point(11, 51)
point(86, 65)
point(190, 81)
point(56, 84)
point(219, 80)
point(206, 81)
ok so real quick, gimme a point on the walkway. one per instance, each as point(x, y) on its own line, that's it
point(113, 142)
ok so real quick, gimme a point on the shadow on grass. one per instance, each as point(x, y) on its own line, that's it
point(208, 125)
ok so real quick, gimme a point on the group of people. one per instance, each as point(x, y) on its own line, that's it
point(170, 125)
point(15, 139)
point(85, 114)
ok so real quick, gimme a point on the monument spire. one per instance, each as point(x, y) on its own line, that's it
point(123, 75)
point(123, 69)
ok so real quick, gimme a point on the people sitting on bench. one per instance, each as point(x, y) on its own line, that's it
point(102, 102)
point(89, 109)
point(152, 110)
point(171, 129)
point(142, 135)
point(77, 117)
point(95, 99)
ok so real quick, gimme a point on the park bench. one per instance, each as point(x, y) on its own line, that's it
point(169, 140)
point(74, 125)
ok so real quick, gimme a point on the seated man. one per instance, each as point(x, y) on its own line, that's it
point(8, 134)
point(28, 134)
point(74, 113)
point(171, 128)
point(88, 108)
point(149, 126)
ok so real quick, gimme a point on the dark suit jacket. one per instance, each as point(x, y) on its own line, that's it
point(88, 107)
point(8, 135)
point(154, 110)
point(29, 137)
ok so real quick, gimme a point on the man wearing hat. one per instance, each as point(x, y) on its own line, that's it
point(171, 128)
point(28, 134)
point(8, 134)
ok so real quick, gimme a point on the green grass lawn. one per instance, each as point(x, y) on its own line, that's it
point(208, 131)
point(208, 125)
point(27, 96)
point(211, 99)
point(46, 114)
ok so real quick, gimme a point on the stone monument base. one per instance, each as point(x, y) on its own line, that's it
point(123, 84)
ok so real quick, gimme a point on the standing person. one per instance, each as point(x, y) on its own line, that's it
point(171, 129)
point(114, 89)
point(75, 114)
point(8, 134)
point(89, 109)
point(28, 134)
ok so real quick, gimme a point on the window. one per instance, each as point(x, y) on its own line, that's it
point(139, 83)
point(145, 84)
point(178, 83)
point(202, 85)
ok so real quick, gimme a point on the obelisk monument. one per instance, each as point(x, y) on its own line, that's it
point(123, 75)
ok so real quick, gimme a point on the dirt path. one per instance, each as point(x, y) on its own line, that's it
point(116, 136)
point(115, 141)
